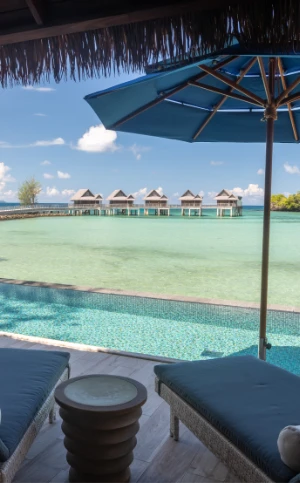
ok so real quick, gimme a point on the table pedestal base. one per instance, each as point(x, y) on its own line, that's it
point(100, 447)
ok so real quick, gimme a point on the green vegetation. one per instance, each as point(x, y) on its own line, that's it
point(281, 202)
point(28, 191)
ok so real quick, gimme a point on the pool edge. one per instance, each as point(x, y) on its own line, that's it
point(150, 295)
point(86, 347)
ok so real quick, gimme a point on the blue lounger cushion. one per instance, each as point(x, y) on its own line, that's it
point(247, 400)
point(26, 379)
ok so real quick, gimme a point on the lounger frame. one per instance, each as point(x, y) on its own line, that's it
point(238, 464)
point(9, 468)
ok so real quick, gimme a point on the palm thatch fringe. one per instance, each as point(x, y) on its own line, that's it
point(269, 23)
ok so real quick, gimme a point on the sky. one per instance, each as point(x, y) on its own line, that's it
point(51, 133)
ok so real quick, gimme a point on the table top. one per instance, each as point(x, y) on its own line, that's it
point(101, 393)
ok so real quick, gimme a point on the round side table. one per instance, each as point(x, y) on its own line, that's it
point(100, 420)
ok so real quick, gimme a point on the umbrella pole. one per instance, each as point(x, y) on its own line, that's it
point(270, 116)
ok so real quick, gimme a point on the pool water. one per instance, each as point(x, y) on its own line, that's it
point(180, 330)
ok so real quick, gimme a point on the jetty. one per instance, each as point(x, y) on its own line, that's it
point(84, 202)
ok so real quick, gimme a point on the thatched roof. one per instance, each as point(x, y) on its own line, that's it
point(189, 196)
point(84, 194)
point(83, 39)
point(154, 195)
point(226, 195)
point(119, 195)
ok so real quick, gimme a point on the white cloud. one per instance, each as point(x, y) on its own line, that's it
point(216, 163)
point(62, 175)
point(140, 193)
point(287, 194)
point(5, 176)
point(38, 89)
point(138, 150)
point(212, 194)
point(52, 191)
point(238, 191)
point(5, 144)
point(68, 192)
point(253, 190)
point(159, 190)
point(97, 140)
point(261, 171)
point(10, 194)
point(40, 114)
point(48, 176)
point(45, 163)
point(175, 195)
point(291, 169)
point(52, 142)
point(201, 193)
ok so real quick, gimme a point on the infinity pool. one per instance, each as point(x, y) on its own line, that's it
point(180, 330)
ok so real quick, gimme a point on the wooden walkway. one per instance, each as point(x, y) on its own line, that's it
point(158, 459)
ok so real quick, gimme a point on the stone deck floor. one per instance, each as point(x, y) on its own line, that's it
point(158, 459)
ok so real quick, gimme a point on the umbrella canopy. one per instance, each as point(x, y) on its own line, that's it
point(175, 103)
point(222, 97)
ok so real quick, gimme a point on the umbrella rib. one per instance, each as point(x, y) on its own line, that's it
point(222, 78)
point(221, 102)
point(170, 93)
point(264, 79)
point(282, 99)
point(224, 93)
point(290, 99)
point(291, 115)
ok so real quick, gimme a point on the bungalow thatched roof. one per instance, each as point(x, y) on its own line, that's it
point(226, 195)
point(84, 39)
point(84, 194)
point(189, 196)
point(119, 195)
point(154, 195)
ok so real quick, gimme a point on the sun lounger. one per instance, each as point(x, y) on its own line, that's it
point(27, 382)
point(236, 406)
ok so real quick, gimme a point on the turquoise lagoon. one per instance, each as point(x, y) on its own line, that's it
point(203, 257)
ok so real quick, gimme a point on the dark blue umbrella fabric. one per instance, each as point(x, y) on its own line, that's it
point(220, 98)
point(175, 103)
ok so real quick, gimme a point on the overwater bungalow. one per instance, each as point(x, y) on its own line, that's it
point(191, 204)
point(226, 200)
point(118, 197)
point(157, 203)
point(120, 203)
point(86, 197)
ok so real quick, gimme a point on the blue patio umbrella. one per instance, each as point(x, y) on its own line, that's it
point(223, 97)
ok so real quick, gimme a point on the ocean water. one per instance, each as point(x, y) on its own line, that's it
point(206, 257)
